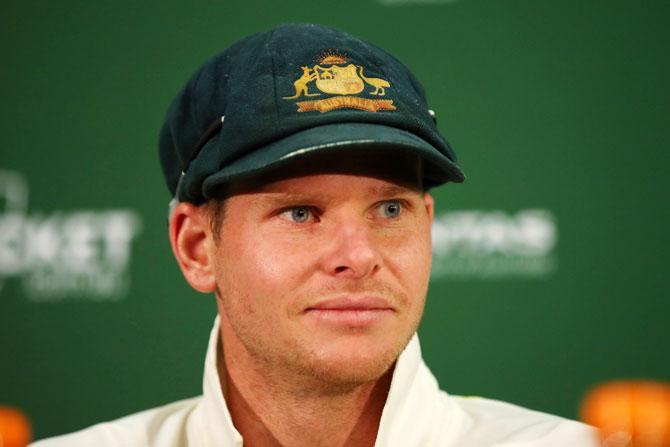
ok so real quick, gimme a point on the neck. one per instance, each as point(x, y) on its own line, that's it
point(269, 410)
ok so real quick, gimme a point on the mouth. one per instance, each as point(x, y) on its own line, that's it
point(353, 312)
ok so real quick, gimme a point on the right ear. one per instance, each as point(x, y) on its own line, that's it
point(192, 243)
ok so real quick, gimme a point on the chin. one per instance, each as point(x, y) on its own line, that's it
point(355, 365)
point(343, 376)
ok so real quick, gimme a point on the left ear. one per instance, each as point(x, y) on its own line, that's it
point(429, 202)
point(191, 242)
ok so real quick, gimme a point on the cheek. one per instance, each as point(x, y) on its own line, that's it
point(261, 264)
point(420, 270)
point(409, 256)
point(276, 260)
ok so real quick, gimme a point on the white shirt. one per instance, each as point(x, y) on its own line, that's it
point(417, 414)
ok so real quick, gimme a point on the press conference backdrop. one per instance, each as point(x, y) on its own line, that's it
point(550, 262)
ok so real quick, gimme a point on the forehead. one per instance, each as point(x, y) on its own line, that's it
point(402, 169)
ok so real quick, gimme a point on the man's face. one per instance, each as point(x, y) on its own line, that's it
point(325, 274)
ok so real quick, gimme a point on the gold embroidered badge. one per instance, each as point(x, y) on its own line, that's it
point(332, 76)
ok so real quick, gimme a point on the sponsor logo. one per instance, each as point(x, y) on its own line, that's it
point(81, 254)
point(333, 75)
point(484, 244)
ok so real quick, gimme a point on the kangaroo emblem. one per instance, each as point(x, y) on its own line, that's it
point(377, 83)
point(300, 84)
point(343, 84)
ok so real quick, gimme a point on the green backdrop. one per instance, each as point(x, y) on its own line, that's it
point(550, 261)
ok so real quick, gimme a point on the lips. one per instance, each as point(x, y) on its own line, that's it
point(352, 303)
point(351, 311)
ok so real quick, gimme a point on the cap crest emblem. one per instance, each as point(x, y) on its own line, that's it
point(332, 76)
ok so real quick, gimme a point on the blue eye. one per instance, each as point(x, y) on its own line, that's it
point(300, 214)
point(391, 209)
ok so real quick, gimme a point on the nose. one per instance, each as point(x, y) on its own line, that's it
point(353, 252)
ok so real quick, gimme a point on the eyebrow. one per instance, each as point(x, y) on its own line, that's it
point(280, 197)
point(393, 190)
point(308, 197)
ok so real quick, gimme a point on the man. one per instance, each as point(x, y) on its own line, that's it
point(299, 160)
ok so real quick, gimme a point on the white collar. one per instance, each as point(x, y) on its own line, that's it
point(410, 416)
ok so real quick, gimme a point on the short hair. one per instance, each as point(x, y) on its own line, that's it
point(214, 210)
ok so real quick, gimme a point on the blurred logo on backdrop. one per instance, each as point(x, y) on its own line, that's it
point(63, 254)
point(489, 244)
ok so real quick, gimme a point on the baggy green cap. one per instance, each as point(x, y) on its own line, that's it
point(290, 92)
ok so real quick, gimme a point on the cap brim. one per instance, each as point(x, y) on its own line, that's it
point(438, 168)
